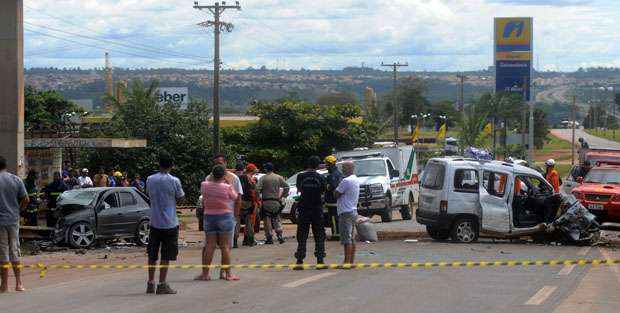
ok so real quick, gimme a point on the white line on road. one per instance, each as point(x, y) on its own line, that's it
point(306, 280)
point(583, 251)
point(567, 269)
point(543, 294)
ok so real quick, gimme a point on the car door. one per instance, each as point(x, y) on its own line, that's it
point(395, 186)
point(132, 212)
point(107, 212)
point(495, 192)
point(569, 182)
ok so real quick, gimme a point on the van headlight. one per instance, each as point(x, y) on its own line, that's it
point(376, 189)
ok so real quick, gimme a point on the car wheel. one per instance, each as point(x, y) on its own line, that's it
point(465, 230)
point(386, 213)
point(81, 235)
point(142, 235)
point(406, 211)
point(438, 234)
point(294, 215)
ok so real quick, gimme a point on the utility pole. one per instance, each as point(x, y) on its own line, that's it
point(462, 79)
point(218, 26)
point(532, 102)
point(395, 67)
point(574, 117)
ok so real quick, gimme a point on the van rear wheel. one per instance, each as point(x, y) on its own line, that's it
point(465, 230)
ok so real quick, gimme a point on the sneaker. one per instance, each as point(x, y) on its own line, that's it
point(299, 266)
point(164, 289)
point(150, 288)
point(320, 264)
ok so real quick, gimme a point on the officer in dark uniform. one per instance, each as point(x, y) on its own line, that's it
point(333, 180)
point(52, 191)
point(32, 210)
point(311, 185)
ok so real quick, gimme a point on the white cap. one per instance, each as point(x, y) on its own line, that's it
point(85, 170)
point(550, 162)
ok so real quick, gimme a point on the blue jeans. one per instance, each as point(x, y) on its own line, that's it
point(219, 224)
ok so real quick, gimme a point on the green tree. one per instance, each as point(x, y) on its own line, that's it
point(335, 98)
point(289, 132)
point(472, 123)
point(46, 110)
point(183, 133)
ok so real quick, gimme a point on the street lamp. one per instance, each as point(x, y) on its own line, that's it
point(412, 124)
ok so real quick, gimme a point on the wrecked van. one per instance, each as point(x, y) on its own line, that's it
point(462, 198)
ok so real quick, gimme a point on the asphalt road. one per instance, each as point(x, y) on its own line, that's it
point(476, 289)
point(593, 141)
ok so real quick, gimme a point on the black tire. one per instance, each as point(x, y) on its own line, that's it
point(294, 215)
point(142, 233)
point(406, 211)
point(438, 234)
point(386, 213)
point(81, 235)
point(465, 230)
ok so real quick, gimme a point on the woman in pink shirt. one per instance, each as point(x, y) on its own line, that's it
point(219, 221)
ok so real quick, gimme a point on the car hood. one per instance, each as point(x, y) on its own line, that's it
point(598, 188)
point(71, 209)
point(369, 180)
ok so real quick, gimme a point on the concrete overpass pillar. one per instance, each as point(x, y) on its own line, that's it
point(12, 84)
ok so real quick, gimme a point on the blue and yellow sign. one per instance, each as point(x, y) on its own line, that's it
point(513, 54)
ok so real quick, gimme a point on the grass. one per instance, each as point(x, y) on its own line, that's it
point(231, 123)
point(554, 144)
point(607, 134)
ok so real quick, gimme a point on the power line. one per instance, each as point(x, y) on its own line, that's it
point(129, 43)
point(113, 50)
point(218, 26)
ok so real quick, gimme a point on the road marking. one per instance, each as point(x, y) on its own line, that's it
point(567, 269)
point(614, 268)
point(306, 280)
point(583, 251)
point(543, 294)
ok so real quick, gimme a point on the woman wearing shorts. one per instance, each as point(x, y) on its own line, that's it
point(219, 221)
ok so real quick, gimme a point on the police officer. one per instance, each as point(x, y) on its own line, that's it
point(311, 185)
point(52, 191)
point(333, 180)
point(32, 210)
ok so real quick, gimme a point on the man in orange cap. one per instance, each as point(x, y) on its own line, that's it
point(248, 206)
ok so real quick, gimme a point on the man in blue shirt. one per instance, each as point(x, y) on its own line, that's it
point(165, 191)
point(333, 180)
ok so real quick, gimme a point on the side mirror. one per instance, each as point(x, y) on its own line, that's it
point(395, 174)
point(579, 179)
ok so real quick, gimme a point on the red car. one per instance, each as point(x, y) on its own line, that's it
point(600, 193)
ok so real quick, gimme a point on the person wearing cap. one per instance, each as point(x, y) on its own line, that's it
point(552, 175)
point(52, 191)
point(271, 189)
point(248, 206)
point(333, 180)
point(84, 180)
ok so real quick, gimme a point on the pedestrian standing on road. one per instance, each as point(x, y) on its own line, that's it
point(52, 191)
point(165, 192)
point(311, 186)
point(232, 180)
point(138, 183)
point(218, 221)
point(248, 207)
point(32, 210)
point(84, 180)
point(101, 179)
point(348, 193)
point(333, 180)
point(552, 175)
point(271, 189)
point(13, 198)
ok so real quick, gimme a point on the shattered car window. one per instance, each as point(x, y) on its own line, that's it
point(79, 197)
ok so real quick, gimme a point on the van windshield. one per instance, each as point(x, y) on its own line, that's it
point(433, 176)
point(368, 168)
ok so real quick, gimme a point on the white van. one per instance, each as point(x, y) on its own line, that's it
point(461, 198)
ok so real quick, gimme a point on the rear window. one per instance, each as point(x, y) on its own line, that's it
point(433, 176)
point(466, 180)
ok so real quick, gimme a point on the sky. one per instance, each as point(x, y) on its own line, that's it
point(433, 35)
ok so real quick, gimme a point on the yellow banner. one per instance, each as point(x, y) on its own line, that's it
point(441, 134)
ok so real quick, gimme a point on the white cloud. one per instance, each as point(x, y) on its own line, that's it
point(429, 34)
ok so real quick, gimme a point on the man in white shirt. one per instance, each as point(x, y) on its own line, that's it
point(347, 193)
point(84, 180)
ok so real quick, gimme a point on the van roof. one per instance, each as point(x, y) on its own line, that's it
point(500, 165)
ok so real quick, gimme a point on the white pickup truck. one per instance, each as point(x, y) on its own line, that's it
point(388, 180)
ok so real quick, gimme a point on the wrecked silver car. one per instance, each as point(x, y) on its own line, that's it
point(88, 215)
point(463, 198)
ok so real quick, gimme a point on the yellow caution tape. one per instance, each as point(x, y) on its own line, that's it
point(43, 268)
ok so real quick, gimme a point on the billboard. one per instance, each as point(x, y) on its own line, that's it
point(179, 95)
point(513, 54)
